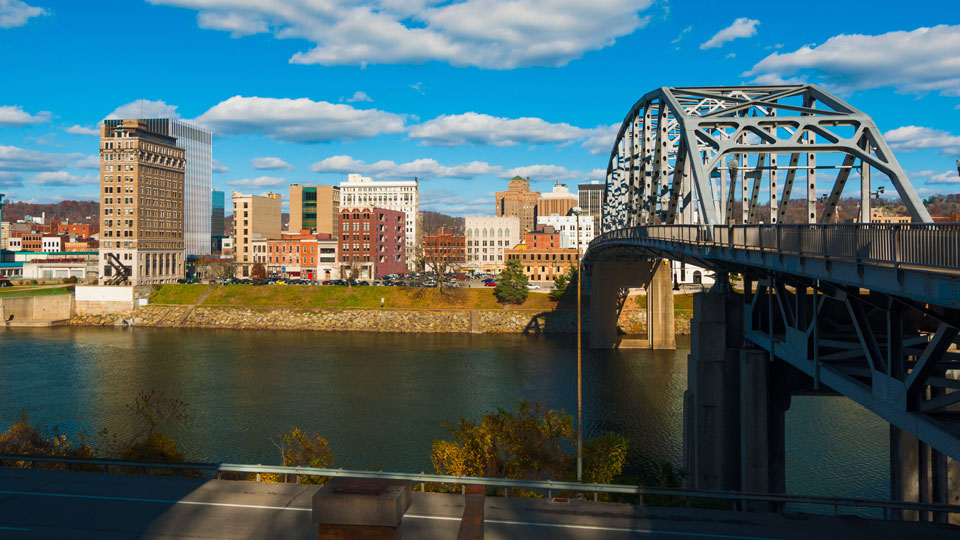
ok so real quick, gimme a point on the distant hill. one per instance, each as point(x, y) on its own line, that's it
point(434, 220)
point(75, 211)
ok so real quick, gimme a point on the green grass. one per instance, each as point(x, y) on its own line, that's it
point(34, 290)
point(334, 297)
point(177, 294)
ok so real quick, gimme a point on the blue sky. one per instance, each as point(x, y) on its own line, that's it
point(461, 94)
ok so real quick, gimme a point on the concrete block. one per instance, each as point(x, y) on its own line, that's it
point(364, 502)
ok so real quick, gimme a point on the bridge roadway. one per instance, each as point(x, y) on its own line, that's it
point(54, 504)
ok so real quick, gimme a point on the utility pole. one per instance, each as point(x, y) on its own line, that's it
point(576, 212)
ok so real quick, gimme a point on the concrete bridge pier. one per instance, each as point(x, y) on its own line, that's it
point(609, 279)
point(734, 406)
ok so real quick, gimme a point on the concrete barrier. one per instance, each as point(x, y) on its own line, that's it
point(93, 300)
point(57, 307)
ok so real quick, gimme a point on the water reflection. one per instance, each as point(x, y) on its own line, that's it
point(381, 399)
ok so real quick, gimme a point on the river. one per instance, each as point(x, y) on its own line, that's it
point(381, 399)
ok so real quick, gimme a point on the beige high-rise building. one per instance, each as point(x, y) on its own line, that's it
point(558, 202)
point(141, 205)
point(255, 217)
point(519, 201)
point(315, 208)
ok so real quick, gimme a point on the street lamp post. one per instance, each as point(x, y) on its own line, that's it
point(576, 212)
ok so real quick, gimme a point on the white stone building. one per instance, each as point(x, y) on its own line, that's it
point(567, 227)
point(486, 238)
point(404, 195)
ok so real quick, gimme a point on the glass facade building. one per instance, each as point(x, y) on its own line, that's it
point(216, 221)
point(198, 145)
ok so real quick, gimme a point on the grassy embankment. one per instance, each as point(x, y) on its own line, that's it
point(34, 290)
point(302, 296)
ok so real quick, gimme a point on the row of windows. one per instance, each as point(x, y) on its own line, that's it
point(488, 232)
point(542, 256)
point(484, 243)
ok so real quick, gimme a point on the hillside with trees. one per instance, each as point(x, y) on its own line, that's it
point(75, 211)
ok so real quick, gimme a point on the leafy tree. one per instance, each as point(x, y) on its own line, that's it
point(298, 449)
point(512, 284)
point(26, 439)
point(258, 273)
point(604, 458)
point(530, 442)
point(562, 282)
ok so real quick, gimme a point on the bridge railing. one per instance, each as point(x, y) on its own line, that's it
point(737, 499)
point(918, 245)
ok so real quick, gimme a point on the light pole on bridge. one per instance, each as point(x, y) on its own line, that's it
point(576, 211)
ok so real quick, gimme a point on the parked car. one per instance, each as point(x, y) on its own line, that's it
point(5, 282)
point(532, 286)
point(490, 280)
point(489, 283)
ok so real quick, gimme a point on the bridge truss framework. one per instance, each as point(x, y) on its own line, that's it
point(667, 164)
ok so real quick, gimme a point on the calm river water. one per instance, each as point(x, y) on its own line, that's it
point(380, 399)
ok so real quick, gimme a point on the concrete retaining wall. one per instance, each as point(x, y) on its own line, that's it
point(57, 307)
point(365, 320)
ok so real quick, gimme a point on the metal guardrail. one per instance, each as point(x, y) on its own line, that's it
point(934, 246)
point(734, 497)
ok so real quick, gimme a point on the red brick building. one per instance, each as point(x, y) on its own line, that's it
point(82, 230)
point(543, 237)
point(371, 242)
point(293, 255)
point(444, 248)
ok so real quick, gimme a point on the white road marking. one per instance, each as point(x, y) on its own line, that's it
point(412, 516)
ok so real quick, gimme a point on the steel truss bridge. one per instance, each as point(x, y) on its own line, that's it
point(709, 176)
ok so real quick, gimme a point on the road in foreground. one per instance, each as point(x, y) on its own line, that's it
point(52, 504)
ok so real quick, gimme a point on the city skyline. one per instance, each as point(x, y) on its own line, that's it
point(290, 101)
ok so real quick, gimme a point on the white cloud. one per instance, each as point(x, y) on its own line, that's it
point(496, 34)
point(359, 95)
point(271, 164)
point(422, 168)
point(219, 167)
point(238, 24)
point(542, 172)
point(910, 138)
point(600, 139)
point(683, 34)
point(475, 128)
point(916, 61)
point(922, 174)
point(15, 13)
point(61, 178)
point(418, 86)
point(298, 120)
point(10, 179)
point(13, 158)
point(81, 130)
point(14, 115)
point(145, 108)
point(259, 182)
point(949, 177)
point(445, 200)
point(741, 28)
point(88, 162)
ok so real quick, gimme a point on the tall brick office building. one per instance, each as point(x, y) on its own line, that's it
point(371, 242)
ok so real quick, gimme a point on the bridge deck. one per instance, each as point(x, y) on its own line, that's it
point(916, 261)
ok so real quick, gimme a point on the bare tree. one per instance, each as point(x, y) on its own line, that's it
point(222, 270)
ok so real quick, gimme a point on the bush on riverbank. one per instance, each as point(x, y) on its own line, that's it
point(529, 443)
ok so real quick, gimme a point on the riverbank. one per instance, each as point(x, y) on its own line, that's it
point(359, 309)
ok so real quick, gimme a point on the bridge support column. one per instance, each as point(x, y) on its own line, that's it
point(609, 279)
point(764, 400)
point(661, 329)
point(711, 444)
point(919, 473)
